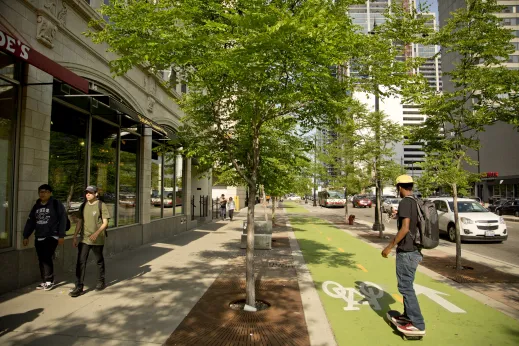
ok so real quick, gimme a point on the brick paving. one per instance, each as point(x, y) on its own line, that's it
point(213, 322)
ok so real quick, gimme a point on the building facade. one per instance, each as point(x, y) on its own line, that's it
point(67, 122)
point(498, 158)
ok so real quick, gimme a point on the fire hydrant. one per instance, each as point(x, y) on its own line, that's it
point(351, 219)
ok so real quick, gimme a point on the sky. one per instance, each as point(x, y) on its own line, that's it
point(433, 5)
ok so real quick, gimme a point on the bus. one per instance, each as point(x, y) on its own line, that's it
point(331, 199)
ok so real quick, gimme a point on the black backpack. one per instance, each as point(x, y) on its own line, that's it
point(99, 203)
point(56, 205)
point(428, 235)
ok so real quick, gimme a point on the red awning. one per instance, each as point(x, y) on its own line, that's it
point(13, 46)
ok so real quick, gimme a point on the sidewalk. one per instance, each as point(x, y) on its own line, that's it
point(150, 291)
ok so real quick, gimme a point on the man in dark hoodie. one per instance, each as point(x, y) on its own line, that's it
point(49, 219)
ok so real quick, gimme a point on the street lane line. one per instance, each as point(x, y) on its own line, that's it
point(362, 268)
point(398, 297)
point(341, 250)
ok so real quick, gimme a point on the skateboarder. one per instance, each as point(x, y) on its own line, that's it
point(408, 256)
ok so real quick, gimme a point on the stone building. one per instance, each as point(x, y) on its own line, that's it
point(66, 121)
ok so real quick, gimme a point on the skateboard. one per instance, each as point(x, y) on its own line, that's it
point(405, 336)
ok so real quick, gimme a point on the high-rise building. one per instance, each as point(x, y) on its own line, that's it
point(498, 153)
point(367, 16)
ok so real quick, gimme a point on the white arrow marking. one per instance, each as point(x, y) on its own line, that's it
point(435, 297)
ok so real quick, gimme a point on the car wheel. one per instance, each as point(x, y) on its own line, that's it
point(452, 233)
point(499, 212)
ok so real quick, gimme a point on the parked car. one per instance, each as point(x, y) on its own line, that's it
point(497, 204)
point(476, 222)
point(390, 204)
point(361, 201)
point(477, 199)
point(293, 198)
point(509, 208)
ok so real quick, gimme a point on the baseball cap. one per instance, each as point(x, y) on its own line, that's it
point(404, 179)
point(91, 188)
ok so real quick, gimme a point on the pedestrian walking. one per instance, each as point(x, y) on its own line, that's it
point(93, 221)
point(408, 256)
point(231, 206)
point(223, 207)
point(48, 218)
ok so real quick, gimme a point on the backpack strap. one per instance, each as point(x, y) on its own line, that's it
point(420, 216)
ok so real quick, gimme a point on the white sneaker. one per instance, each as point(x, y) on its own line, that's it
point(41, 286)
point(48, 286)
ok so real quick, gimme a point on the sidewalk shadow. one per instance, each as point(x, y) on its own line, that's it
point(11, 322)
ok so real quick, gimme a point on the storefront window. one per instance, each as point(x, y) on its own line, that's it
point(103, 164)
point(169, 184)
point(68, 146)
point(179, 167)
point(156, 182)
point(128, 177)
point(8, 100)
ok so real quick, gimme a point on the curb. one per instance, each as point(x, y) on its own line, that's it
point(511, 219)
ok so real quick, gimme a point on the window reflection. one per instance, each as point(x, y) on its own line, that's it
point(179, 209)
point(156, 182)
point(169, 184)
point(128, 167)
point(67, 159)
point(103, 166)
point(8, 99)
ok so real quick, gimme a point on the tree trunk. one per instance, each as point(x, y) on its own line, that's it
point(250, 280)
point(273, 198)
point(346, 203)
point(457, 222)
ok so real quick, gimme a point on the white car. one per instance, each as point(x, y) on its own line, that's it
point(476, 222)
point(293, 198)
point(390, 204)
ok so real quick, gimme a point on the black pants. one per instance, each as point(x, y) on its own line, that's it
point(45, 250)
point(231, 213)
point(82, 258)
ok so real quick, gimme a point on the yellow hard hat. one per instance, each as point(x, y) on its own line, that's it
point(404, 179)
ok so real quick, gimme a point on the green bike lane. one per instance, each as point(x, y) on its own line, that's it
point(357, 286)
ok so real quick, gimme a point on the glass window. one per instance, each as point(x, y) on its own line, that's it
point(179, 194)
point(7, 66)
point(169, 184)
point(8, 100)
point(156, 182)
point(103, 167)
point(67, 155)
point(128, 177)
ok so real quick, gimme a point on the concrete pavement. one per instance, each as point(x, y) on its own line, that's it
point(150, 290)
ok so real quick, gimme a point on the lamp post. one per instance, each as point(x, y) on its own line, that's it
point(377, 225)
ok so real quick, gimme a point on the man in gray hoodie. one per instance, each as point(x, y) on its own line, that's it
point(49, 219)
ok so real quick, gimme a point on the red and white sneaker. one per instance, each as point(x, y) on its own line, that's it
point(401, 319)
point(409, 329)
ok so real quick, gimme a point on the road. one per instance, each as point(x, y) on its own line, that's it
point(508, 251)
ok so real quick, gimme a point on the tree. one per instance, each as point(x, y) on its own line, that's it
point(377, 135)
point(249, 64)
point(483, 92)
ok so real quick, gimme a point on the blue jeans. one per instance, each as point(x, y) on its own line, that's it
point(406, 264)
point(222, 213)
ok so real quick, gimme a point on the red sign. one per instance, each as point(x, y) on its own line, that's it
point(490, 175)
point(20, 50)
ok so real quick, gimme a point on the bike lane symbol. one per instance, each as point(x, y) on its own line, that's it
point(371, 292)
